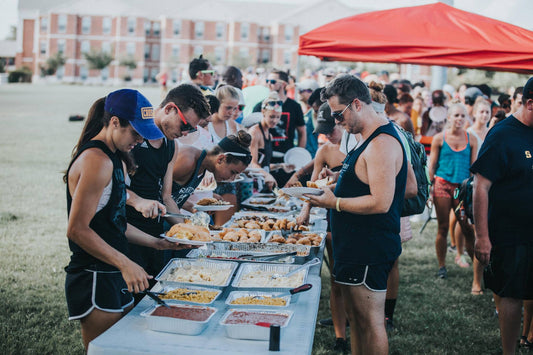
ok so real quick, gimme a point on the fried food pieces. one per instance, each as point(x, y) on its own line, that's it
point(189, 232)
point(309, 239)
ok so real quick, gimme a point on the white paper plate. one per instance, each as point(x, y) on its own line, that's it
point(185, 241)
point(212, 207)
point(297, 156)
point(300, 191)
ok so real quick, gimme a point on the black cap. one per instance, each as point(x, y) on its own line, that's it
point(391, 93)
point(528, 90)
point(314, 97)
point(324, 122)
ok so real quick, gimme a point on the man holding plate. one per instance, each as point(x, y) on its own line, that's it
point(366, 207)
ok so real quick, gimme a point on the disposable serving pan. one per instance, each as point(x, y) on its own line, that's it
point(168, 288)
point(313, 249)
point(166, 276)
point(238, 294)
point(233, 222)
point(214, 235)
point(176, 325)
point(247, 268)
point(251, 331)
point(233, 255)
point(302, 250)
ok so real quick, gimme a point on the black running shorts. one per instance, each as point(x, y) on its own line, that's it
point(374, 277)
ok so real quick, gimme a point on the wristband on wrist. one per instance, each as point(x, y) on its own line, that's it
point(338, 204)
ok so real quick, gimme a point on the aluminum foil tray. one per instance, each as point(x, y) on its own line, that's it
point(233, 255)
point(176, 325)
point(169, 288)
point(302, 250)
point(286, 234)
point(207, 269)
point(238, 294)
point(266, 269)
point(250, 331)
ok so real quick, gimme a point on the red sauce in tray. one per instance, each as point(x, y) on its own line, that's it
point(188, 313)
point(242, 317)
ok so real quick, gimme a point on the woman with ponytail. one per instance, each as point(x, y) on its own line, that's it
point(100, 276)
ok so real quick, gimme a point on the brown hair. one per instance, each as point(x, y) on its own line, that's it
point(243, 139)
point(376, 92)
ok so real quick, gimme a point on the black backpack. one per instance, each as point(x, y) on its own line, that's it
point(464, 195)
point(419, 159)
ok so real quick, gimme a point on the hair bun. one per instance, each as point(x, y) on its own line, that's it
point(374, 85)
point(244, 138)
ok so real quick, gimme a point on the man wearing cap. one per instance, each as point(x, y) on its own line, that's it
point(366, 208)
point(503, 211)
point(292, 120)
point(202, 74)
point(179, 114)
point(305, 89)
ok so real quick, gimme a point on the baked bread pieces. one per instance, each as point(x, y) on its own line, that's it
point(189, 232)
point(320, 183)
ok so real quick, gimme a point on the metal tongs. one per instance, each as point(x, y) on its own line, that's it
point(152, 295)
point(267, 257)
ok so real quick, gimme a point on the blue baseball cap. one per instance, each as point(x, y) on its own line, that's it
point(131, 105)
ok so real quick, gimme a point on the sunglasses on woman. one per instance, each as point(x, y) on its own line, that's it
point(186, 127)
point(246, 158)
point(274, 103)
point(339, 115)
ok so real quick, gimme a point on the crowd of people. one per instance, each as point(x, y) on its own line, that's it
point(134, 163)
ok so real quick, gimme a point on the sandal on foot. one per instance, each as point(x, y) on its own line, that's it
point(524, 343)
point(459, 260)
point(476, 292)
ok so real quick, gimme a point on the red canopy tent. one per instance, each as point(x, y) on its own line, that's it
point(434, 34)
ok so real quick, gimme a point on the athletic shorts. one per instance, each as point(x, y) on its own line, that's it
point(374, 277)
point(444, 188)
point(86, 290)
point(226, 188)
point(510, 271)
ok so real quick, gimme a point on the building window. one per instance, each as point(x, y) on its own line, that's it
point(198, 50)
point(176, 52)
point(153, 74)
point(146, 51)
point(60, 72)
point(61, 46)
point(44, 24)
point(86, 25)
point(146, 72)
point(287, 57)
point(244, 52)
point(147, 28)
point(176, 27)
point(220, 30)
point(265, 56)
point(84, 72)
point(106, 25)
point(85, 47)
point(106, 47)
point(199, 29)
point(219, 54)
point(130, 49)
point(258, 33)
point(155, 52)
point(105, 73)
point(245, 31)
point(62, 23)
point(288, 33)
point(157, 28)
point(266, 34)
point(131, 25)
point(42, 47)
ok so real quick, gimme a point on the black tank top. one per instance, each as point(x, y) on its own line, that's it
point(147, 182)
point(109, 223)
point(367, 239)
point(265, 153)
point(180, 193)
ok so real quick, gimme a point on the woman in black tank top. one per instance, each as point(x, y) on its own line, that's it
point(99, 267)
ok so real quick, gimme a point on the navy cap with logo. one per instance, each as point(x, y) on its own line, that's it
point(132, 106)
point(324, 122)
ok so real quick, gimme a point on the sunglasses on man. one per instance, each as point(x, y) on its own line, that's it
point(272, 81)
point(186, 127)
point(207, 71)
point(339, 115)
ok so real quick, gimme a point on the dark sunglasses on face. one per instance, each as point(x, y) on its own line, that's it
point(339, 115)
point(186, 127)
point(274, 103)
point(271, 81)
point(305, 90)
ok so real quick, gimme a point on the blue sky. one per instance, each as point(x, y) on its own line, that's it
point(517, 12)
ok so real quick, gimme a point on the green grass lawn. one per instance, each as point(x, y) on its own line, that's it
point(432, 316)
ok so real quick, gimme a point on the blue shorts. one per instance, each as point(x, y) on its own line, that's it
point(374, 277)
point(88, 289)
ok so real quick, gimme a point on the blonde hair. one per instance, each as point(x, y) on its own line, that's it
point(376, 92)
point(272, 96)
point(226, 92)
